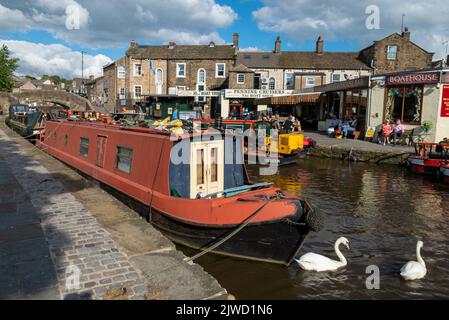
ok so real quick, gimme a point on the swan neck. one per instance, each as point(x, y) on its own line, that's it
point(418, 256)
point(339, 254)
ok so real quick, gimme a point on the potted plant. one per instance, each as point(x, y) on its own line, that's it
point(427, 125)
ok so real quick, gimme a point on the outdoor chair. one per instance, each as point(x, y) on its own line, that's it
point(417, 135)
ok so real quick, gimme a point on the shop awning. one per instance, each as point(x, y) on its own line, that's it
point(289, 100)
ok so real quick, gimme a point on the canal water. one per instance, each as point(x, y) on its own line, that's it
point(382, 210)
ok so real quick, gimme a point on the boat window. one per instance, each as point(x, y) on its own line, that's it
point(214, 165)
point(200, 166)
point(84, 147)
point(124, 159)
point(66, 139)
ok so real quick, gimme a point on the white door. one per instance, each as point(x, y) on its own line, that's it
point(207, 168)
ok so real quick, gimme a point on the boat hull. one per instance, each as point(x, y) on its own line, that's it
point(424, 165)
point(273, 242)
point(444, 171)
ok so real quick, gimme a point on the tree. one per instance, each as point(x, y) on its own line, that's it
point(7, 67)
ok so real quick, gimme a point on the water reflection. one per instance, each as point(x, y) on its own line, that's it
point(382, 210)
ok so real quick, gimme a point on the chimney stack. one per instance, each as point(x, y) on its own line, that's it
point(406, 34)
point(171, 45)
point(320, 45)
point(277, 45)
point(235, 40)
point(133, 44)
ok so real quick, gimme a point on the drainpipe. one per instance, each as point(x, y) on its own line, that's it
point(368, 116)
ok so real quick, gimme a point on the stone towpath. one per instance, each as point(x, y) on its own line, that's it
point(62, 237)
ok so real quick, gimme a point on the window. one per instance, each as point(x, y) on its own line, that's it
point(310, 82)
point(272, 84)
point(180, 88)
point(66, 139)
point(392, 52)
point(335, 77)
point(240, 78)
point(404, 103)
point(124, 159)
point(137, 92)
point(180, 70)
point(220, 70)
point(159, 79)
point(84, 147)
point(137, 69)
point(289, 81)
point(122, 93)
point(201, 76)
point(257, 81)
point(121, 72)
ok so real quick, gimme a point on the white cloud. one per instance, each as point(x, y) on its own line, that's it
point(115, 22)
point(37, 59)
point(306, 19)
point(250, 49)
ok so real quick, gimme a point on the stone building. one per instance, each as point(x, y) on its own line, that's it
point(295, 70)
point(396, 53)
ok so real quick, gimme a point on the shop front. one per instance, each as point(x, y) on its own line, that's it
point(418, 99)
point(240, 103)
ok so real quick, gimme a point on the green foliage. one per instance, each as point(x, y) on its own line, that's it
point(427, 125)
point(7, 67)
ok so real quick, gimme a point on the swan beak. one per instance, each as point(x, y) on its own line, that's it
point(347, 246)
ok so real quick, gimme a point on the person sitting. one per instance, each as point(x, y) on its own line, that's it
point(334, 126)
point(288, 124)
point(349, 126)
point(386, 132)
point(397, 131)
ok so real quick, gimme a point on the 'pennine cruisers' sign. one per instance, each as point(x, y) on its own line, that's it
point(413, 78)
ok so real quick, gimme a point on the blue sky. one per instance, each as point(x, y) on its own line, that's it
point(36, 30)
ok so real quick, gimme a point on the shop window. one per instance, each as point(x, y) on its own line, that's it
point(122, 93)
point(124, 159)
point(404, 103)
point(84, 147)
point(392, 52)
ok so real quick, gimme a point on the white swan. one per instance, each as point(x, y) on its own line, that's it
point(319, 263)
point(415, 270)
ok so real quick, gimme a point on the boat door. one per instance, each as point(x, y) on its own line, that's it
point(101, 150)
point(206, 168)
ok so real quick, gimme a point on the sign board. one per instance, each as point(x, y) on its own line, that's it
point(370, 132)
point(445, 102)
point(255, 93)
point(192, 93)
point(413, 78)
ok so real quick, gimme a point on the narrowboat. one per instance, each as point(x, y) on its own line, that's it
point(444, 171)
point(288, 148)
point(428, 158)
point(26, 120)
point(195, 187)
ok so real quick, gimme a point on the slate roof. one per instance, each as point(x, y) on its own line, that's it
point(241, 69)
point(302, 60)
point(179, 52)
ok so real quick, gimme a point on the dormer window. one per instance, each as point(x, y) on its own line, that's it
point(211, 44)
point(392, 52)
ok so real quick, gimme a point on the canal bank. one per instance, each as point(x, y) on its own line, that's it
point(54, 223)
point(358, 150)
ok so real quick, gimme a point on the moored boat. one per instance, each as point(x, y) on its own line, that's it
point(428, 158)
point(444, 171)
point(195, 187)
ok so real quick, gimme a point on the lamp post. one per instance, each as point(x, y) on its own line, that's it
point(82, 71)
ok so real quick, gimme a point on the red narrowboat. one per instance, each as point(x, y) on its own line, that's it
point(195, 187)
point(444, 171)
point(428, 158)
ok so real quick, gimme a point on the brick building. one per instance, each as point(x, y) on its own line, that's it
point(396, 53)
